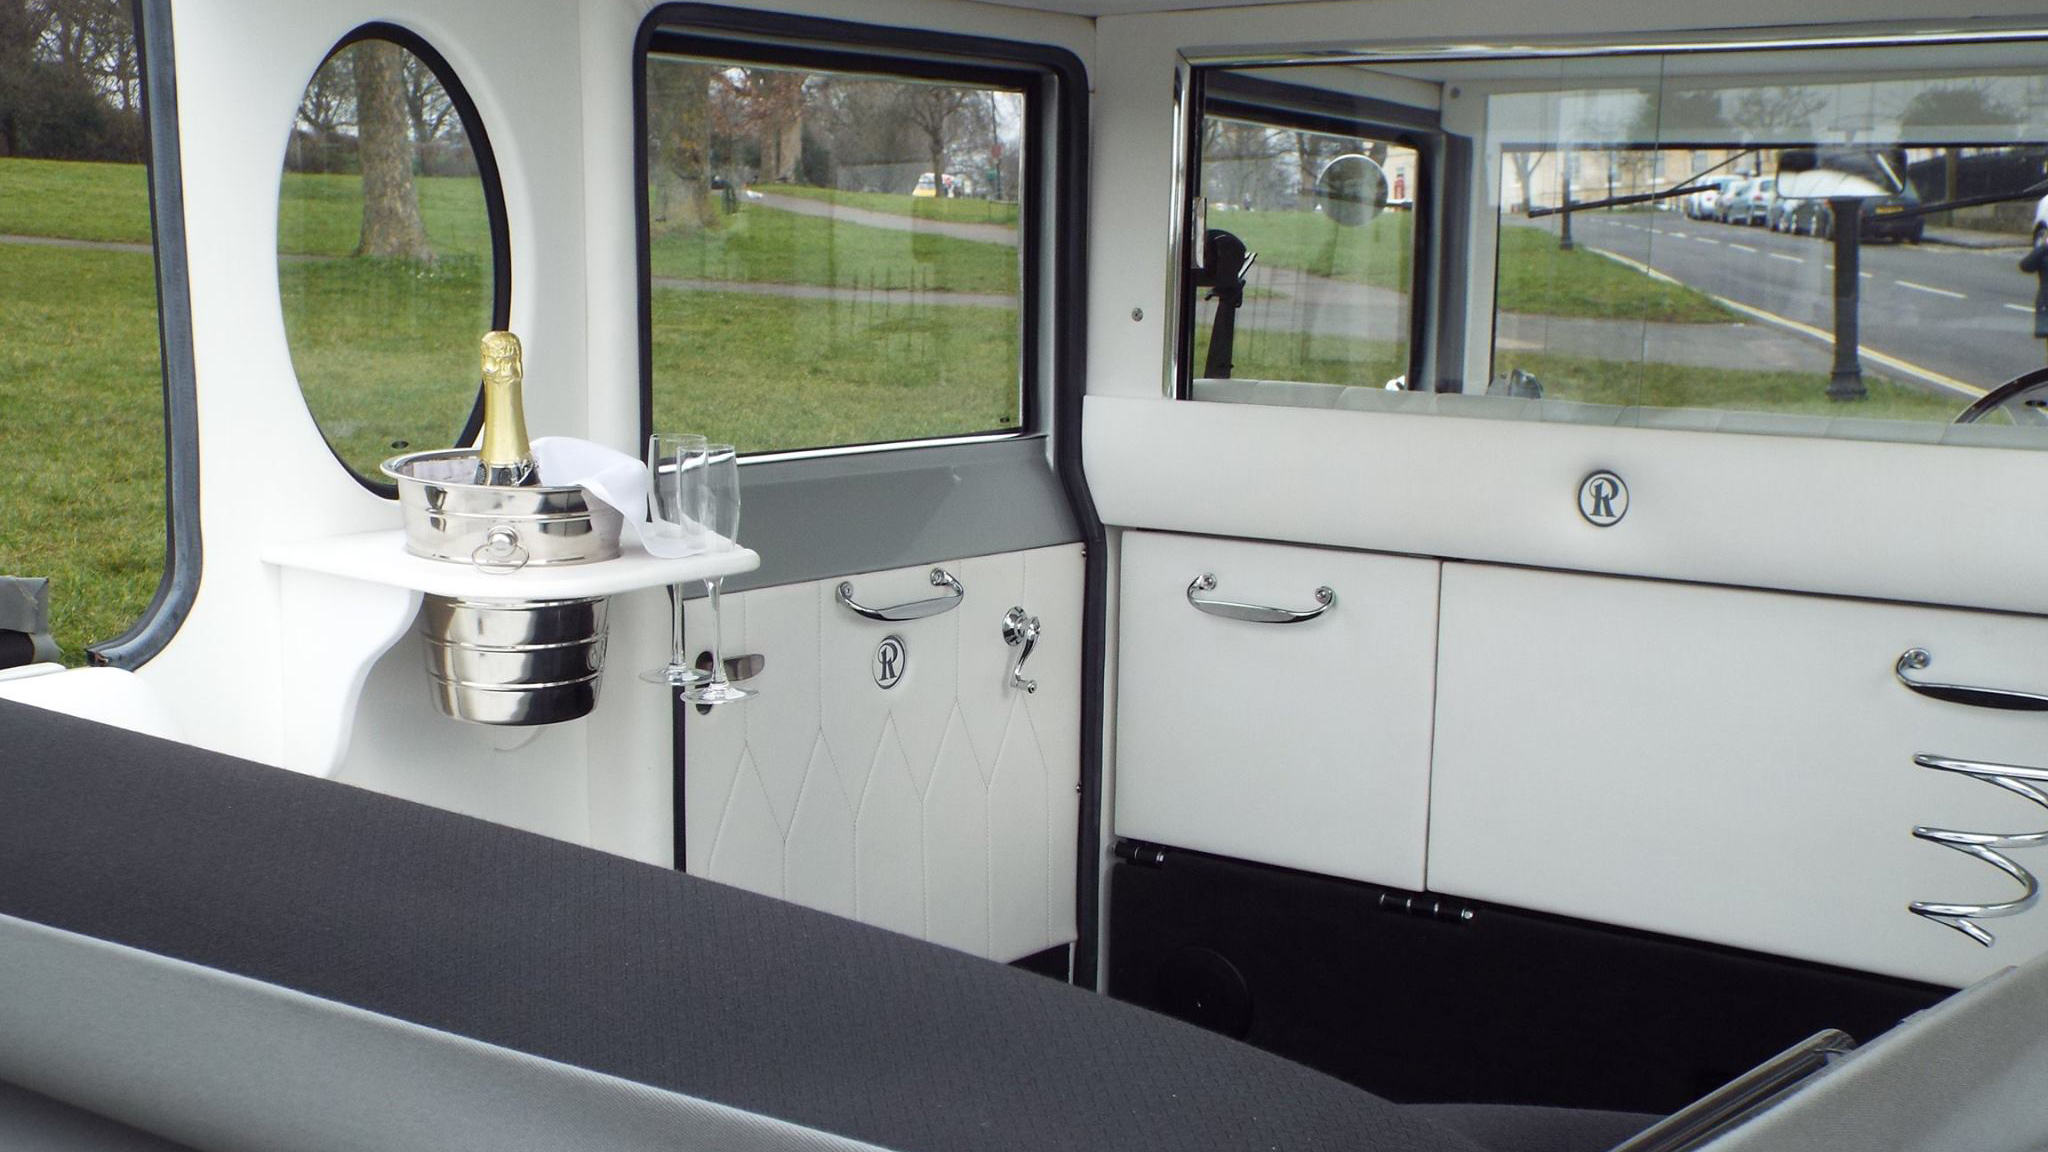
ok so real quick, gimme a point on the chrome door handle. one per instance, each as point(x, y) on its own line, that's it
point(915, 609)
point(2005, 698)
point(1986, 846)
point(1021, 628)
point(1256, 613)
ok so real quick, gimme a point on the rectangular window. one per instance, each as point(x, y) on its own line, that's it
point(81, 378)
point(836, 256)
point(1309, 260)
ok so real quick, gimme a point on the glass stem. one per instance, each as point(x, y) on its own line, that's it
point(717, 661)
point(676, 658)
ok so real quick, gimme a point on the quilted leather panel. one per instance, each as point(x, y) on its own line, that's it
point(945, 807)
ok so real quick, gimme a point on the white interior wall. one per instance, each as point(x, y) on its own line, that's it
point(552, 82)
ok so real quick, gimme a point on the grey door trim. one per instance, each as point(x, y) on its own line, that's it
point(825, 516)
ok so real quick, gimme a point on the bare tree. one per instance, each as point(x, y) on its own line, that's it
point(427, 106)
point(1779, 113)
point(1955, 109)
point(937, 113)
point(391, 209)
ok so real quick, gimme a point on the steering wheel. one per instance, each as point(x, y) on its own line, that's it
point(2024, 398)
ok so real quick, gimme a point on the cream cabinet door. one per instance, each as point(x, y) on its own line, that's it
point(1728, 765)
point(1299, 744)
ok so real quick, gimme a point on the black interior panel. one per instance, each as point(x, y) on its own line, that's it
point(1428, 998)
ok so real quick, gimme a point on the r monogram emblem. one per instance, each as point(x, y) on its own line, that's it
point(1603, 499)
point(891, 659)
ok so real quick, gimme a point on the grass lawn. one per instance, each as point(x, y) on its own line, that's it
point(318, 214)
point(75, 199)
point(763, 245)
point(1687, 386)
point(968, 211)
point(322, 215)
point(1271, 354)
point(1381, 254)
point(768, 373)
point(385, 350)
point(1340, 360)
point(82, 436)
point(1534, 276)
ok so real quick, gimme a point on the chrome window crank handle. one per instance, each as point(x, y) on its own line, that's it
point(1021, 628)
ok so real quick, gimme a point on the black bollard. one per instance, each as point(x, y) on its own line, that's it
point(1564, 235)
point(1846, 381)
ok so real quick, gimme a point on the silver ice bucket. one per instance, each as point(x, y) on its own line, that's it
point(506, 661)
point(497, 529)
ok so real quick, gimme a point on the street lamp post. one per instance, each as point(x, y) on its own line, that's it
point(1846, 380)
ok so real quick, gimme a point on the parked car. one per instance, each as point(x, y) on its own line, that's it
point(2040, 220)
point(1700, 205)
point(1782, 213)
point(1882, 218)
point(1750, 201)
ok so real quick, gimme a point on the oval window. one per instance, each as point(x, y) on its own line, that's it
point(391, 250)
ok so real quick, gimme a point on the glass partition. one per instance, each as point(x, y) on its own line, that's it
point(1813, 240)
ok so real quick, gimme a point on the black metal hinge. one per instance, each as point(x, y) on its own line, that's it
point(1140, 853)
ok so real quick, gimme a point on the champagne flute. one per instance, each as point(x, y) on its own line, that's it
point(675, 473)
point(718, 510)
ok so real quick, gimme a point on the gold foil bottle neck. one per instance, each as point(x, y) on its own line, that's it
point(504, 455)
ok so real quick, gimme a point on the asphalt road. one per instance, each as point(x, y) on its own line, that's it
point(1963, 313)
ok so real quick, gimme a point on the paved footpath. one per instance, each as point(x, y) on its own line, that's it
point(867, 217)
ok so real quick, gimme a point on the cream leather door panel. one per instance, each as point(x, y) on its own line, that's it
point(1728, 765)
point(1300, 744)
point(944, 806)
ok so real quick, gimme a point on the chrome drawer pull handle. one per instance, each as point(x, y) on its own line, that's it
point(1021, 628)
point(2004, 698)
point(1256, 613)
point(914, 610)
point(1986, 846)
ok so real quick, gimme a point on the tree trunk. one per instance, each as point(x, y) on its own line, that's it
point(679, 118)
point(1525, 170)
point(391, 207)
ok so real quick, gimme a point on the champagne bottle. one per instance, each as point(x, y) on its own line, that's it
point(504, 457)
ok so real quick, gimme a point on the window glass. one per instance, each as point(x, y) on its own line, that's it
point(1303, 290)
point(81, 381)
point(1815, 241)
point(384, 255)
point(835, 256)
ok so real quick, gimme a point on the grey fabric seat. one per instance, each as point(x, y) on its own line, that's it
point(640, 973)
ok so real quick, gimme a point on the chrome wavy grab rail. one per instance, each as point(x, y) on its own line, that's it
point(1986, 846)
point(1256, 613)
point(2002, 698)
point(915, 609)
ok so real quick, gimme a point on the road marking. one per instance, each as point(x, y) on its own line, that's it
point(1676, 235)
point(1782, 256)
point(1930, 291)
point(1939, 380)
point(1706, 240)
point(2018, 308)
point(1740, 247)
